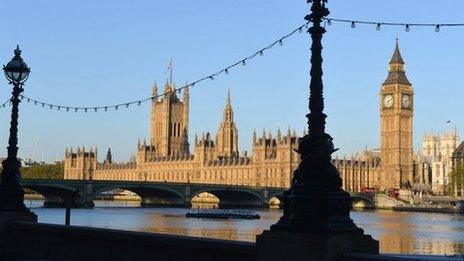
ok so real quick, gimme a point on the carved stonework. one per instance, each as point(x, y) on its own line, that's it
point(396, 126)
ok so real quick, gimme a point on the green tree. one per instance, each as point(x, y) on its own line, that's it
point(456, 186)
point(43, 171)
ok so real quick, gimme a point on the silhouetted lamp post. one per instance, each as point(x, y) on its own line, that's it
point(316, 223)
point(11, 191)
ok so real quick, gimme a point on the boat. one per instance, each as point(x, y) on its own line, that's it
point(223, 214)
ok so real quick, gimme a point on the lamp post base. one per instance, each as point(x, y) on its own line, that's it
point(11, 191)
point(6, 217)
point(319, 227)
point(281, 245)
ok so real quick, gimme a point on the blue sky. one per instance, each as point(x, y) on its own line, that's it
point(104, 52)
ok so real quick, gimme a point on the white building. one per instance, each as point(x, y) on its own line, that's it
point(437, 150)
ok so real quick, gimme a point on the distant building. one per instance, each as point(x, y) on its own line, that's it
point(437, 151)
point(26, 162)
point(216, 158)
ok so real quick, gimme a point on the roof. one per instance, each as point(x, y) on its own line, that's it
point(459, 152)
point(397, 75)
point(396, 57)
point(396, 78)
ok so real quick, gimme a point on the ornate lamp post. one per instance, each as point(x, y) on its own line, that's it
point(316, 223)
point(11, 191)
point(316, 183)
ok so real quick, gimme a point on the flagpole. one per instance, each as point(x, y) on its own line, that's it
point(170, 72)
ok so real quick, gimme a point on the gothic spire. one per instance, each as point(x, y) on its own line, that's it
point(396, 71)
point(109, 156)
point(228, 112)
point(396, 57)
point(154, 90)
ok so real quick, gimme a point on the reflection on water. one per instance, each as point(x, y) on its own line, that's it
point(398, 232)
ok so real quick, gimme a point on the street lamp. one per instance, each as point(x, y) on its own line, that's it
point(11, 191)
point(317, 202)
point(316, 222)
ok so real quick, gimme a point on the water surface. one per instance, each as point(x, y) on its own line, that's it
point(398, 232)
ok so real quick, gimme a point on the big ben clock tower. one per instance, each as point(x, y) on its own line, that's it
point(396, 119)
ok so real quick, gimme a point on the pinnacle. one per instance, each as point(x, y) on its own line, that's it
point(396, 57)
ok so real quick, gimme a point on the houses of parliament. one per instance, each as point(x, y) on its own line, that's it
point(166, 157)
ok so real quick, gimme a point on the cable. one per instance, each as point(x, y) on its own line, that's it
point(378, 25)
point(226, 71)
point(4, 104)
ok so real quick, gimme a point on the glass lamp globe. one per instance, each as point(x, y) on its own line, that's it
point(16, 71)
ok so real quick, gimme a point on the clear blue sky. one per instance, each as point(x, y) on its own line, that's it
point(99, 52)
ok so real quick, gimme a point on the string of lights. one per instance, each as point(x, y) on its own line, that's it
point(225, 71)
point(378, 25)
point(4, 104)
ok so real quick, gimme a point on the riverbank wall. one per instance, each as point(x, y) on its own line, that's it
point(36, 241)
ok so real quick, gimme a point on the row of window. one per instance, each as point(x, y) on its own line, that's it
point(174, 129)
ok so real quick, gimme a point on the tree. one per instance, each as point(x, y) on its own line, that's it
point(456, 185)
point(44, 171)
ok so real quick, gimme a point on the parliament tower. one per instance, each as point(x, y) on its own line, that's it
point(396, 126)
point(169, 122)
point(227, 135)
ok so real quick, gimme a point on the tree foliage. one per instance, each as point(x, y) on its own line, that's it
point(457, 179)
point(43, 171)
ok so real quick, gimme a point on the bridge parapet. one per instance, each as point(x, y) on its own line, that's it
point(152, 193)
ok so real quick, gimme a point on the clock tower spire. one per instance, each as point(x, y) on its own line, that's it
point(396, 122)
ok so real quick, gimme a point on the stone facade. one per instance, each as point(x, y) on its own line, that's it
point(437, 151)
point(213, 160)
point(396, 119)
point(216, 159)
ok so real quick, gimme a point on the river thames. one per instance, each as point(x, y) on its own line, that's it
point(398, 232)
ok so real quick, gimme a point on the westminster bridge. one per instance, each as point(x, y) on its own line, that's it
point(82, 193)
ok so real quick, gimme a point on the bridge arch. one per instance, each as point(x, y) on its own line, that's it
point(234, 197)
point(274, 202)
point(151, 196)
point(56, 195)
point(362, 202)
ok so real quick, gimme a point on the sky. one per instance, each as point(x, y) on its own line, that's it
point(103, 52)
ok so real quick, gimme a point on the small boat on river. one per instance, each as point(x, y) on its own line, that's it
point(223, 214)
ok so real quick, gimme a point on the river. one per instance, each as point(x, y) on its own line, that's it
point(398, 232)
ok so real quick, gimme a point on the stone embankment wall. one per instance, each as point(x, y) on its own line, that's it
point(32, 241)
point(386, 202)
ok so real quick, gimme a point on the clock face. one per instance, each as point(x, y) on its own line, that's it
point(388, 101)
point(406, 101)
